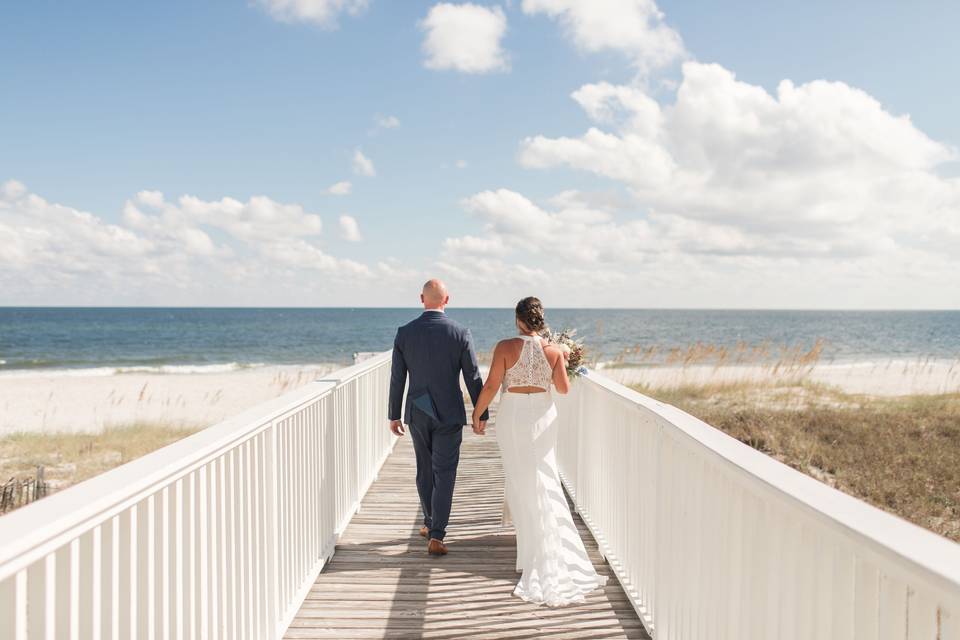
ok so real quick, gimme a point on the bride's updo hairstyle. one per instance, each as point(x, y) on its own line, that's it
point(530, 314)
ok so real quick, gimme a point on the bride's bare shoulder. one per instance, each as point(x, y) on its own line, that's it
point(509, 347)
point(506, 344)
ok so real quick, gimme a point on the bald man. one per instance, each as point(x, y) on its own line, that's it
point(433, 351)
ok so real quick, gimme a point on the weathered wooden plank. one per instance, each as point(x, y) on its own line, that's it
point(382, 584)
point(440, 634)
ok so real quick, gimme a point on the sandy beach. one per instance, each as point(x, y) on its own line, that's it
point(881, 378)
point(85, 401)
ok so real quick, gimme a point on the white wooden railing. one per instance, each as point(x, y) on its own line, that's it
point(219, 535)
point(712, 539)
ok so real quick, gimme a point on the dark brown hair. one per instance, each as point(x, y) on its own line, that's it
point(530, 313)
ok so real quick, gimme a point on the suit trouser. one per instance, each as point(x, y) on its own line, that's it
point(437, 448)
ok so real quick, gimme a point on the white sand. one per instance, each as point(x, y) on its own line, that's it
point(882, 378)
point(81, 402)
point(54, 402)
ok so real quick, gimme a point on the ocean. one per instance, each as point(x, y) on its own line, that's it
point(172, 340)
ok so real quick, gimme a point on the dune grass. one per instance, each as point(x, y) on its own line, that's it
point(900, 454)
point(69, 458)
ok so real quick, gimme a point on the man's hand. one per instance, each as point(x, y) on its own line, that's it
point(396, 426)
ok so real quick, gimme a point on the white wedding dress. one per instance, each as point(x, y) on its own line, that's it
point(555, 566)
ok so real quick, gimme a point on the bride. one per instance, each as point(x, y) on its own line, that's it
point(555, 566)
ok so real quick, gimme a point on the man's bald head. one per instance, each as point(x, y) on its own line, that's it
point(434, 294)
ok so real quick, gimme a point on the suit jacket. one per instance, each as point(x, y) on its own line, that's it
point(433, 350)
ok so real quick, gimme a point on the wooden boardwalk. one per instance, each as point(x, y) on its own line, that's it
point(382, 584)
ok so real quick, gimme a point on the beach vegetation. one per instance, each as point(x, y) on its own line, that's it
point(901, 454)
point(69, 458)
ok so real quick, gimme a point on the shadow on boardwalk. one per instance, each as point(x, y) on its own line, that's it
point(382, 584)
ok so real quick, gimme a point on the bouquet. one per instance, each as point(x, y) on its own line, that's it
point(572, 347)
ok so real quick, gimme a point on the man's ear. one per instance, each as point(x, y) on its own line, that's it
point(446, 301)
point(421, 298)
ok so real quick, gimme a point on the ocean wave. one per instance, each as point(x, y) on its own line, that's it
point(166, 369)
point(190, 368)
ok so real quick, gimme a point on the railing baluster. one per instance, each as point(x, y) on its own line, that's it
point(132, 574)
point(250, 524)
point(283, 512)
point(178, 572)
point(21, 620)
point(91, 602)
point(201, 541)
point(166, 527)
point(148, 602)
point(115, 578)
point(224, 553)
point(257, 482)
point(50, 596)
point(214, 507)
point(243, 546)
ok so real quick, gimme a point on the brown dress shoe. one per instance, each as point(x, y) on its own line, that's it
point(424, 532)
point(436, 547)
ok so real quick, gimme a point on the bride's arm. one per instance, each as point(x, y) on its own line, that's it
point(490, 387)
point(558, 360)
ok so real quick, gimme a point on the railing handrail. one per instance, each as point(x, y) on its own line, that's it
point(349, 373)
point(32, 531)
point(884, 532)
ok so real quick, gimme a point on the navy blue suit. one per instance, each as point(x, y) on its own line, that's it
point(433, 350)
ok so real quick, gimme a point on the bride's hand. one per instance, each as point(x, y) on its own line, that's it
point(478, 425)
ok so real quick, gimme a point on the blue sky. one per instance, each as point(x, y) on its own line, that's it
point(104, 100)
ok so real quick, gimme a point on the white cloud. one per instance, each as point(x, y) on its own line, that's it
point(323, 13)
point(362, 165)
point(342, 188)
point(634, 27)
point(492, 245)
point(820, 168)
point(164, 250)
point(729, 196)
point(349, 229)
point(303, 255)
point(584, 253)
point(12, 190)
point(260, 218)
point(576, 233)
point(465, 37)
point(474, 280)
point(36, 234)
point(387, 122)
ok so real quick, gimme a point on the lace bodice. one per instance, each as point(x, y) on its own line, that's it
point(532, 369)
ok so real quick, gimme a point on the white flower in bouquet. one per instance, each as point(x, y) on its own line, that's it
point(572, 348)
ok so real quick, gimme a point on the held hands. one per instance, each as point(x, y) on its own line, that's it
point(396, 426)
point(479, 426)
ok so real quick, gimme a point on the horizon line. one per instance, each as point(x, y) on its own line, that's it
point(454, 308)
